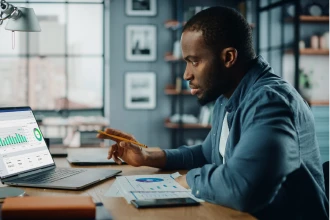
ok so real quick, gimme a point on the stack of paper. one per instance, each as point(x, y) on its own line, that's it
point(143, 187)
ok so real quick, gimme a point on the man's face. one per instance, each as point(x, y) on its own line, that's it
point(207, 75)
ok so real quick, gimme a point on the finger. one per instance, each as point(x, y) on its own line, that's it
point(103, 136)
point(119, 133)
point(129, 146)
point(115, 158)
point(112, 149)
point(108, 138)
point(114, 132)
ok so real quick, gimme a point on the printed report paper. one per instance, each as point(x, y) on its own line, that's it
point(144, 187)
point(150, 183)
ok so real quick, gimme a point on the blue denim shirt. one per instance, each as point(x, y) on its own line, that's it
point(271, 150)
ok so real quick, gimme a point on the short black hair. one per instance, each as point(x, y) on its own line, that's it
point(223, 27)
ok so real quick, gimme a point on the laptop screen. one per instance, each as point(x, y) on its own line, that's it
point(22, 147)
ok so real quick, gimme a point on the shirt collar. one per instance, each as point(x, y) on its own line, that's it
point(259, 68)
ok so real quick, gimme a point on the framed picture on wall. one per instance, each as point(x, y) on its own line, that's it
point(141, 43)
point(141, 7)
point(140, 90)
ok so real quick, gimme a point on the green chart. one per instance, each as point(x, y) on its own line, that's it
point(37, 134)
point(11, 140)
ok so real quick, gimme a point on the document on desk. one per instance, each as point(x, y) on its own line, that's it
point(143, 187)
point(150, 183)
point(113, 191)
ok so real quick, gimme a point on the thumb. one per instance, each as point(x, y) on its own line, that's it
point(130, 146)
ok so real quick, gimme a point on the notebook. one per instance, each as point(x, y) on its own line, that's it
point(56, 151)
point(90, 156)
point(26, 161)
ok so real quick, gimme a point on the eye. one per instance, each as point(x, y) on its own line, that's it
point(194, 63)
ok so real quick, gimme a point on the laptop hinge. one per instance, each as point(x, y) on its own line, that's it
point(28, 173)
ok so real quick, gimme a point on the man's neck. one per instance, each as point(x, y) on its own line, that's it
point(239, 71)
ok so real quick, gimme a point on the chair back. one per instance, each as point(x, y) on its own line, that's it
point(326, 177)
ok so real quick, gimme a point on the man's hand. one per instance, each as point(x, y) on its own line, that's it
point(182, 181)
point(132, 154)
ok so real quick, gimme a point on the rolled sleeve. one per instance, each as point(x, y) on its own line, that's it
point(189, 157)
point(184, 157)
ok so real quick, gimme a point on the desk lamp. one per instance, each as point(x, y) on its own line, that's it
point(20, 19)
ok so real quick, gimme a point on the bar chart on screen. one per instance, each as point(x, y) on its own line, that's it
point(21, 138)
point(13, 139)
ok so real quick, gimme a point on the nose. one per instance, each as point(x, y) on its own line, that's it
point(187, 74)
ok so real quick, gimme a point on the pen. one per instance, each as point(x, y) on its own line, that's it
point(122, 139)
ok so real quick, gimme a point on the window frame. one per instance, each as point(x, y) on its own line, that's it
point(65, 112)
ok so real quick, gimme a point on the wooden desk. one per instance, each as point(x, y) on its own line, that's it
point(119, 208)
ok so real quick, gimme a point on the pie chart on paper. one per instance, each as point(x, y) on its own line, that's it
point(149, 180)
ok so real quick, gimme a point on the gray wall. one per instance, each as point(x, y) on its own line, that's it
point(146, 125)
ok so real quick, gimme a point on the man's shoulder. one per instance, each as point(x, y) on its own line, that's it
point(273, 92)
point(272, 87)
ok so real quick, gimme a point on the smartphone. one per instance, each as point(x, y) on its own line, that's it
point(164, 202)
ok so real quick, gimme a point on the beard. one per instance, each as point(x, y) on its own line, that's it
point(217, 84)
point(208, 96)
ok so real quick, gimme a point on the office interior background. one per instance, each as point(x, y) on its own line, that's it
point(117, 63)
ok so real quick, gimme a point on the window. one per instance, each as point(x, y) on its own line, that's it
point(61, 67)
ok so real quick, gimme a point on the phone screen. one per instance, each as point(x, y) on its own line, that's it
point(164, 202)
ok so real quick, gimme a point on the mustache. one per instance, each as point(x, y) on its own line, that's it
point(192, 86)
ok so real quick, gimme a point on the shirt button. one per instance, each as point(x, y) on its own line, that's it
point(197, 192)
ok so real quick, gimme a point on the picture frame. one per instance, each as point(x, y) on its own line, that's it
point(140, 90)
point(141, 7)
point(141, 43)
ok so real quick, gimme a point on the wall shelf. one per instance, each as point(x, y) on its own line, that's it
point(310, 51)
point(174, 24)
point(318, 103)
point(171, 125)
point(170, 58)
point(170, 90)
point(311, 19)
point(321, 19)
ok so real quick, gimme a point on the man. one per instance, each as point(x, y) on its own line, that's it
point(261, 155)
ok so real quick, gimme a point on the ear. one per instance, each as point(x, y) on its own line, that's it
point(229, 56)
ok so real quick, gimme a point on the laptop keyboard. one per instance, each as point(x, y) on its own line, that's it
point(51, 176)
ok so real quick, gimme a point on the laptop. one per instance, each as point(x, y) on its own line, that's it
point(26, 161)
point(90, 156)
